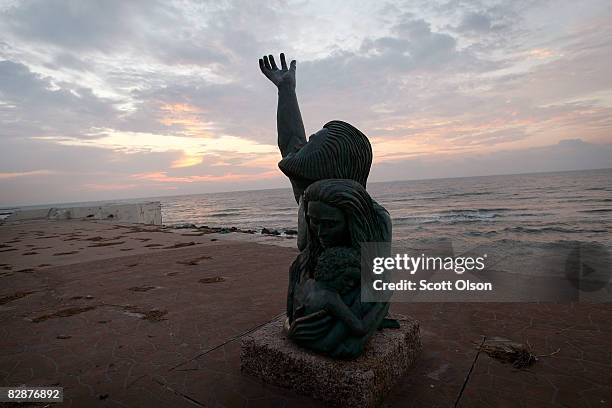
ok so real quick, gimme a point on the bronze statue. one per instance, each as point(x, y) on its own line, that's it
point(328, 174)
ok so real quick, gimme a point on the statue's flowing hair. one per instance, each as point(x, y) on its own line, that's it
point(362, 219)
point(345, 153)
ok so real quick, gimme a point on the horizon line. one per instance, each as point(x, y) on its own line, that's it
point(15, 206)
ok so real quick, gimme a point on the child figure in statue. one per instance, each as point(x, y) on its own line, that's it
point(337, 273)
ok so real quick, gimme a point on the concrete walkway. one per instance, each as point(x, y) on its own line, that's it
point(132, 316)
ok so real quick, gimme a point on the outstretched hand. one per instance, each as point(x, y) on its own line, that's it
point(279, 77)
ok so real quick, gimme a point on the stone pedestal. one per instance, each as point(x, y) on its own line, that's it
point(268, 354)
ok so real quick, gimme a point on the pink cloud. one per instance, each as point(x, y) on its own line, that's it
point(163, 177)
point(26, 174)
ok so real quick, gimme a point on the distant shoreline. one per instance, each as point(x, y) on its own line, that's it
point(128, 200)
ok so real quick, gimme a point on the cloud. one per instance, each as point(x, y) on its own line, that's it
point(476, 22)
point(208, 109)
point(163, 177)
point(567, 155)
point(113, 89)
point(41, 171)
point(72, 24)
point(111, 26)
point(33, 105)
point(25, 174)
point(24, 155)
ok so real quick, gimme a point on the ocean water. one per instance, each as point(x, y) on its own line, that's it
point(544, 207)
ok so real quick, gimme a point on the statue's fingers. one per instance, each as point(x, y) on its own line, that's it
point(307, 330)
point(292, 66)
point(313, 321)
point(302, 334)
point(266, 62)
point(283, 61)
point(319, 316)
point(306, 338)
point(262, 67)
point(272, 63)
point(315, 324)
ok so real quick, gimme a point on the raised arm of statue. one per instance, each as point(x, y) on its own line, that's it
point(291, 134)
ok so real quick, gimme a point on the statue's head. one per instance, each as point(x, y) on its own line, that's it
point(340, 212)
point(338, 151)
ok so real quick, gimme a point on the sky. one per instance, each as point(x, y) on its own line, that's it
point(114, 99)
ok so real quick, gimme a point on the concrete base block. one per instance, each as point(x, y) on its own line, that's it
point(269, 355)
